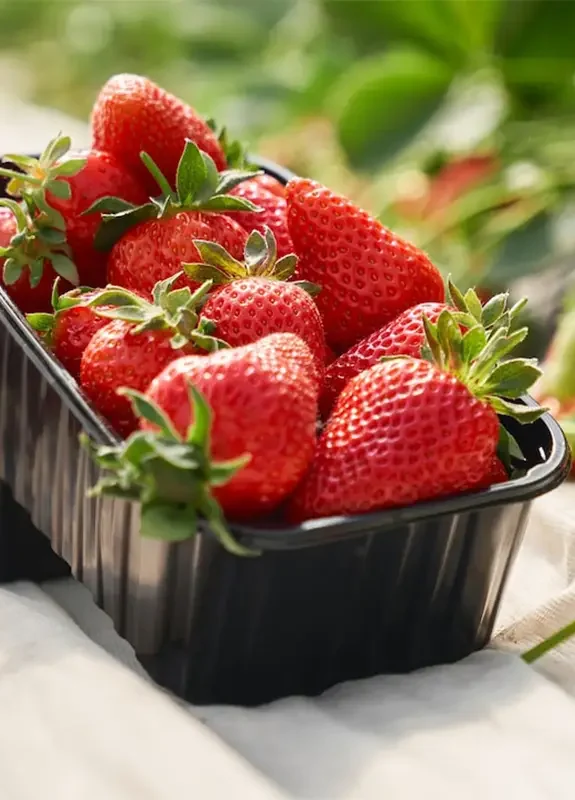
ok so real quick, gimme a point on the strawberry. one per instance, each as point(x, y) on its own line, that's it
point(28, 276)
point(408, 430)
point(133, 115)
point(273, 214)
point(140, 339)
point(147, 244)
point(254, 300)
point(269, 183)
point(58, 189)
point(496, 473)
point(368, 274)
point(68, 330)
point(405, 336)
point(243, 459)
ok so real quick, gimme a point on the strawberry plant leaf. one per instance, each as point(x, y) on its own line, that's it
point(285, 268)
point(148, 410)
point(65, 267)
point(214, 255)
point(473, 304)
point(454, 297)
point(41, 322)
point(513, 378)
point(226, 202)
point(70, 167)
point(231, 178)
point(192, 173)
point(60, 189)
point(473, 342)
point(199, 429)
point(114, 226)
point(156, 173)
point(493, 309)
point(51, 236)
point(521, 413)
point(57, 148)
point(167, 521)
point(108, 205)
point(36, 269)
point(12, 270)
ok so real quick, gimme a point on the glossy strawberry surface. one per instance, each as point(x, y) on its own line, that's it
point(368, 274)
point(273, 214)
point(263, 398)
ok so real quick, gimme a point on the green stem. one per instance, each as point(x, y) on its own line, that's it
point(553, 641)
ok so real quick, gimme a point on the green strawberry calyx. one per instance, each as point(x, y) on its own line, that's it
point(199, 187)
point(234, 151)
point(479, 354)
point(174, 310)
point(41, 234)
point(43, 322)
point(260, 261)
point(171, 476)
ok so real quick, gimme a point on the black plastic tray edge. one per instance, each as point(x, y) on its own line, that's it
point(539, 480)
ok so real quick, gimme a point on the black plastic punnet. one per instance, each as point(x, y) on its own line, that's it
point(328, 601)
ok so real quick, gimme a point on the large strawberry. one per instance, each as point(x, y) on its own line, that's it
point(368, 274)
point(140, 339)
point(133, 115)
point(405, 336)
point(408, 430)
point(254, 299)
point(273, 213)
point(148, 244)
point(57, 189)
point(242, 462)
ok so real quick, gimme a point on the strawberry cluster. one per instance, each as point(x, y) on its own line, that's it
point(261, 351)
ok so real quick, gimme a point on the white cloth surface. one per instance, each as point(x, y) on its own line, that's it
point(78, 724)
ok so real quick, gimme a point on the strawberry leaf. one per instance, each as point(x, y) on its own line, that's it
point(513, 378)
point(192, 173)
point(114, 226)
point(521, 413)
point(148, 410)
point(493, 310)
point(473, 342)
point(64, 267)
point(225, 202)
point(108, 205)
point(60, 189)
point(69, 167)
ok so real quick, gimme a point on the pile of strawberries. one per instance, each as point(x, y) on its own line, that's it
point(263, 352)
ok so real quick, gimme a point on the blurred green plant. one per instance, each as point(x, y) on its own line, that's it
point(452, 118)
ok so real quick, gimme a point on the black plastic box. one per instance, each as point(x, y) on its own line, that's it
point(328, 601)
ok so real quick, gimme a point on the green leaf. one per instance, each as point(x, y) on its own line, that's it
point(108, 205)
point(493, 309)
point(36, 268)
point(198, 433)
point(383, 101)
point(70, 167)
point(191, 174)
point(473, 342)
point(148, 410)
point(214, 255)
point(473, 304)
point(60, 189)
point(513, 378)
point(167, 521)
point(231, 178)
point(57, 148)
point(128, 313)
point(203, 272)
point(113, 227)
point(12, 270)
point(523, 414)
point(156, 173)
point(285, 268)
point(18, 212)
point(51, 236)
point(65, 267)
point(40, 322)
point(226, 202)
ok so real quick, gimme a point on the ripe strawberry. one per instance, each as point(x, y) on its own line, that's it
point(269, 183)
point(133, 115)
point(149, 243)
point(138, 342)
point(254, 300)
point(57, 190)
point(405, 336)
point(272, 216)
point(27, 276)
point(407, 430)
point(243, 462)
point(71, 326)
point(368, 274)
point(496, 473)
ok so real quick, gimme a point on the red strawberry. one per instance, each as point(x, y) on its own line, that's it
point(140, 341)
point(149, 243)
point(273, 214)
point(263, 399)
point(132, 114)
point(255, 300)
point(405, 336)
point(496, 473)
point(269, 183)
point(57, 189)
point(71, 326)
point(30, 289)
point(407, 430)
point(368, 274)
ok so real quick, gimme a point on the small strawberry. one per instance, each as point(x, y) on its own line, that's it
point(68, 330)
point(254, 299)
point(27, 273)
point(133, 115)
point(149, 243)
point(141, 338)
point(368, 274)
point(405, 336)
point(408, 430)
point(57, 190)
point(273, 214)
point(242, 459)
